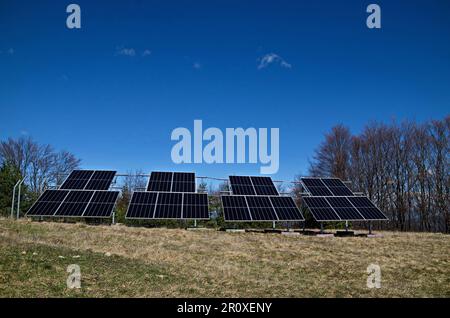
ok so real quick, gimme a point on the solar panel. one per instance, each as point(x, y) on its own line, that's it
point(264, 186)
point(195, 206)
point(169, 205)
point(142, 205)
point(344, 208)
point(261, 208)
point(367, 209)
point(316, 187)
point(183, 182)
point(75, 203)
point(286, 209)
point(48, 203)
point(242, 185)
point(235, 208)
point(160, 181)
point(77, 180)
point(102, 204)
point(337, 187)
point(320, 209)
point(100, 180)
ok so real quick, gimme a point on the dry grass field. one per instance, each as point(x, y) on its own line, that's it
point(120, 261)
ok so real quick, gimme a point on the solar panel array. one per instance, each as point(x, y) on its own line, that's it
point(244, 185)
point(332, 200)
point(74, 203)
point(171, 182)
point(326, 187)
point(168, 205)
point(88, 180)
point(351, 208)
point(260, 208)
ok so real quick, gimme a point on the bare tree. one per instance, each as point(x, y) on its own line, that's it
point(38, 163)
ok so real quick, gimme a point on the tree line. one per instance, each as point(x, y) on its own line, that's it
point(403, 167)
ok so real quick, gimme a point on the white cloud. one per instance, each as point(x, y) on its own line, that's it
point(10, 51)
point(272, 58)
point(197, 65)
point(126, 52)
point(146, 53)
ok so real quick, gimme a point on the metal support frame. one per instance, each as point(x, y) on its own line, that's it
point(370, 227)
point(14, 198)
point(195, 222)
point(321, 227)
point(273, 225)
point(113, 221)
point(346, 226)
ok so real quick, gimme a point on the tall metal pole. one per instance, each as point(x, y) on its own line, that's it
point(18, 198)
point(13, 199)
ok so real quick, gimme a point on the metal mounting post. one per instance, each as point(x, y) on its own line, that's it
point(13, 198)
point(18, 198)
point(273, 225)
point(346, 226)
point(113, 218)
point(370, 227)
point(195, 222)
point(321, 227)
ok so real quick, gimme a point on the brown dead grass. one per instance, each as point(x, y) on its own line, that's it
point(217, 264)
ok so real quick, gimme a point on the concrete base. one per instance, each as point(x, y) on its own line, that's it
point(344, 233)
point(235, 230)
point(290, 233)
point(325, 235)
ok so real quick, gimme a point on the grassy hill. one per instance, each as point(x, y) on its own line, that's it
point(120, 261)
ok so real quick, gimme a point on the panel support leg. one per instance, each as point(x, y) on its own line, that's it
point(346, 226)
point(370, 227)
point(321, 227)
point(113, 221)
point(273, 225)
point(304, 226)
point(195, 222)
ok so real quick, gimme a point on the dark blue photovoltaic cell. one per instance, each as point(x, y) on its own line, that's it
point(235, 208)
point(261, 208)
point(195, 206)
point(48, 203)
point(183, 182)
point(77, 180)
point(242, 185)
point(264, 186)
point(142, 205)
point(75, 203)
point(160, 181)
point(169, 205)
point(100, 180)
point(102, 204)
point(367, 209)
point(286, 209)
point(320, 209)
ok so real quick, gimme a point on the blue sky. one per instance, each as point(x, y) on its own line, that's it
point(113, 91)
